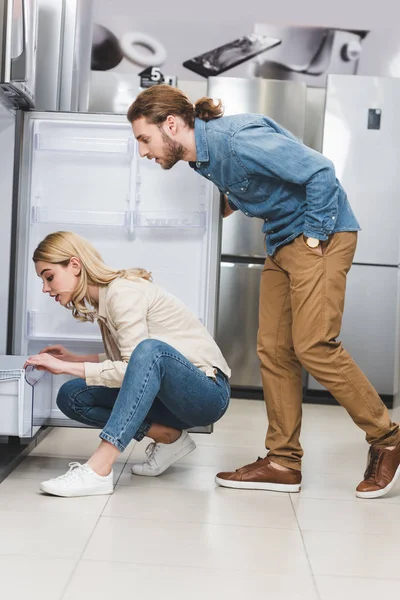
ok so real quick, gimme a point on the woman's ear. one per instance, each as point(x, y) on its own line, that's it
point(75, 265)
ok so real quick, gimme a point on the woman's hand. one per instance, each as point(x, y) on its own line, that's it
point(46, 362)
point(61, 353)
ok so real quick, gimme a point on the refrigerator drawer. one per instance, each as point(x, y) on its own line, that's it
point(25, 398)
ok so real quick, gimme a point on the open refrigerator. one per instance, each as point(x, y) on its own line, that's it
point(82, 173)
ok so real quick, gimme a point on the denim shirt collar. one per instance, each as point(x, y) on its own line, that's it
point(200, 137)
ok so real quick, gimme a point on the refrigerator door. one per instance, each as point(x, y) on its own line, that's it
point(7, 140)
point(396, 397)
point(64, 54)
point(362, 138)
point(368, 330)
point(283, 101)
point(82, 173)
point(238, 321)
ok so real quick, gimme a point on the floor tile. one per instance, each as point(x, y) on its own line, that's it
point(178, 476)
point(149, 582)
point(34, 578)
point(73, 443)
point(339, 486)
point(362, 516)
point(220, 457)
point(220, 506)
point(354, 588)
point(350, 554)
point(197, 545)
point(40, 468)
point(44, 534)
point(337, 464)
point(24, 494)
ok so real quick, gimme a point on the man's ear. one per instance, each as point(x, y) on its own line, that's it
point(171, 124)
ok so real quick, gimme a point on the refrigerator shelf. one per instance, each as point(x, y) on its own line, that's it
point(43, 326)
point(97, 218)
point(122, 147)
point(171, 220)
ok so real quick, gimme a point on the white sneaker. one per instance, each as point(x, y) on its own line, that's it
point(162, 456)
point(80, 480)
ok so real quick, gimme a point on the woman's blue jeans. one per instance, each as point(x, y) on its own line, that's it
point(160, 386)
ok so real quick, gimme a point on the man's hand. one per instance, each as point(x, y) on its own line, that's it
point(225, 208)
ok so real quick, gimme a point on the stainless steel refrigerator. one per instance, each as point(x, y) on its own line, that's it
point(243, 251)
point(361, 135)
point(355, 122)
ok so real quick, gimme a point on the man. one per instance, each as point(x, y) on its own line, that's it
point(311, 236)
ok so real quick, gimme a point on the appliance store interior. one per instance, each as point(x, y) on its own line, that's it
point(199, 352)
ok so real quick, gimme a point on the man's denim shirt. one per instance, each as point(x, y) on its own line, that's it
point(268, 173)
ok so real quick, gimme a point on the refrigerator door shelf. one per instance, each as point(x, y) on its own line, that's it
point(60, 326)
point(176, 220)
point(23, 407)
point(127, 220)
point(97, 218)
point(119, 147)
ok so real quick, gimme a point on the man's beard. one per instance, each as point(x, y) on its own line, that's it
point(173, 152)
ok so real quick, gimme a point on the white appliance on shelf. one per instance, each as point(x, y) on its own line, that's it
point(82, 172)
point(18, 37)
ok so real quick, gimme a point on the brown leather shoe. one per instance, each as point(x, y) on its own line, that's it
point(260, 475)
point(383, 469)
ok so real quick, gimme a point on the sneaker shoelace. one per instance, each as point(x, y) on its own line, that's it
point(372, 464)
point(151, 451)
point(76, 471)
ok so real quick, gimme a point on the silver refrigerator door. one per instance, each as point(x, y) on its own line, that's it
point(362, 138)
point(242, 238)
point(369, 324)
point(396, 394)
point(238, 321)
point(7, 138)
point(283, 101)
point(64, 54)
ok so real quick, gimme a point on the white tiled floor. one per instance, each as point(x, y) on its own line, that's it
point(179, 537)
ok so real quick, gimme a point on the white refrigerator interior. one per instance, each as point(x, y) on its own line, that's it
point(362, 138)
point(82, 173)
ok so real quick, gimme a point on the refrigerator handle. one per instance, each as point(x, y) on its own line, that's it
point(19, 63)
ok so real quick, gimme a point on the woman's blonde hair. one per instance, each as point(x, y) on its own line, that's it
point(159, 101)
point(59, 247)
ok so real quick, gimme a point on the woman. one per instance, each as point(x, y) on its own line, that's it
point(162, 372)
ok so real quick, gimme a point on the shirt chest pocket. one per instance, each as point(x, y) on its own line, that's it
point(238, 188)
